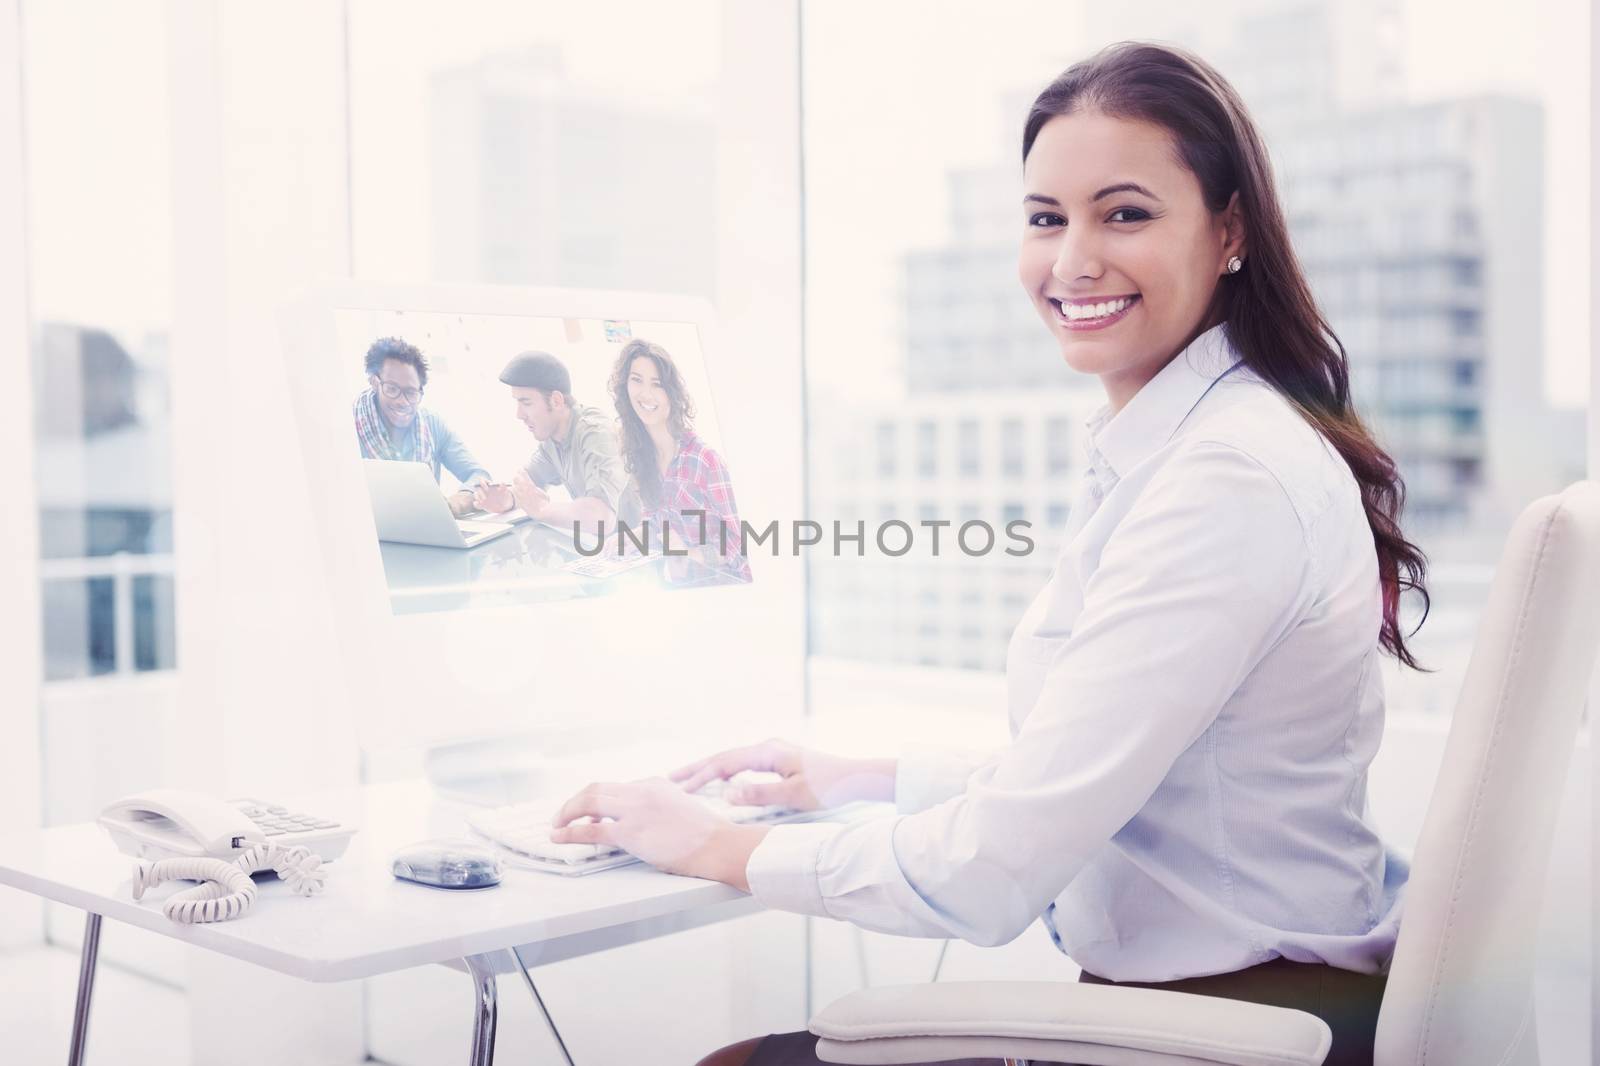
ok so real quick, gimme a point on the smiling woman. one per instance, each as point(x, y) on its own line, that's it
point(1133, 114)
point(1112, 215)
point(1194, 695)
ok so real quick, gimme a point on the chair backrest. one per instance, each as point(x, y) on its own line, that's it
point(1460, 988)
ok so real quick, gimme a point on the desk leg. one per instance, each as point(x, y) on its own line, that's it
point(538, 1000)
point(482, 970)
point(86, 966)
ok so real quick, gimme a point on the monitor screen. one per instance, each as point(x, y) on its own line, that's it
point(522, 460)
point(464, 602)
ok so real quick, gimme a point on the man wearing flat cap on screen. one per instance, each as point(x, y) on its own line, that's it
point(577, 448)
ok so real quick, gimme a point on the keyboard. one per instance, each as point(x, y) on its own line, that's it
point(521, 831)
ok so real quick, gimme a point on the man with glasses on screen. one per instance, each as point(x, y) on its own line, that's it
point(578, 448)
point(391, 424)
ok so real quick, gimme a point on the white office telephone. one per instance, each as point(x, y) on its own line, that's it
point(182, 836)
point(168, 823)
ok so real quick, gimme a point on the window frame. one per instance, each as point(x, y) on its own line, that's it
point(21, 916)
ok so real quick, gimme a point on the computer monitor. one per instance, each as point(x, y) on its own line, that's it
point(645, 622)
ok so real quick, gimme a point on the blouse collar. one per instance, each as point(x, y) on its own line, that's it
point(1118, 443)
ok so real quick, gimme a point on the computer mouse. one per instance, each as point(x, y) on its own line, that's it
point(448, 864)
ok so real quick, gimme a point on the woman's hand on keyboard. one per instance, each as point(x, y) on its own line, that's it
point(809, 780)
point(662, 824)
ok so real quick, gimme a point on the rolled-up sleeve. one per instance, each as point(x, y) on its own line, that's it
point(1207, 571)
point(599, 457)
point(782, 871)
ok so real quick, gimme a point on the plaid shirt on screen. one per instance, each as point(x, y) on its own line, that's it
point(697, 480)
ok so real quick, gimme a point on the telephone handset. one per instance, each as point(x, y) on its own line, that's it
point(168, 823)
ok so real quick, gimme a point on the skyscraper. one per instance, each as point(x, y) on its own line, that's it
point(530, 173)
point(937, 461)
point(1419, 227)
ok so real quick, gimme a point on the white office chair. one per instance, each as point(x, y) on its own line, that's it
point(1460, 989)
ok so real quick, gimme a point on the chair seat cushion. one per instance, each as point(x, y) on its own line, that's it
point(1053, 1021)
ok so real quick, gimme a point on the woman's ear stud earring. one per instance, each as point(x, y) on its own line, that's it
point(1235, 264)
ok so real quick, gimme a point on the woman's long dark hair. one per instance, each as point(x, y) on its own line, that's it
point(638, 450)
point(1270, 314)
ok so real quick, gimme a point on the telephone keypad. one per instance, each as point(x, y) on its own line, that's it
point(275, 821)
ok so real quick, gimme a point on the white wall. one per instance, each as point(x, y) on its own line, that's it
point(21, 916)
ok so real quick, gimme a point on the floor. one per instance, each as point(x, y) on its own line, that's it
point(135, 1021)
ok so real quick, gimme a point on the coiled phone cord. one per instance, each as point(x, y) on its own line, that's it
point(227, 891)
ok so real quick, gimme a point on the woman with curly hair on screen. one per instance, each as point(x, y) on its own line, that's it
point(684, 490)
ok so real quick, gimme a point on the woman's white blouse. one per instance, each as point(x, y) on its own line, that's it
point(1195, 698)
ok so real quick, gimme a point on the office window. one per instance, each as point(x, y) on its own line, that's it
point(886, 449)
point(846, 462)
point(968, 447)
point(1012, 458)
point(1465, 472)
point(100, 294)
point(927, 449)
point(1058, 444)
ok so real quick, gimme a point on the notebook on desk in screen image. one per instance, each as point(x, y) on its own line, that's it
point(409, 508)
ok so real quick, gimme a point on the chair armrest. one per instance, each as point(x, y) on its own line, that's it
point(1054, 1021)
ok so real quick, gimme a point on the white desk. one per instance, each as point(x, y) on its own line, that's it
point(367, 922)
